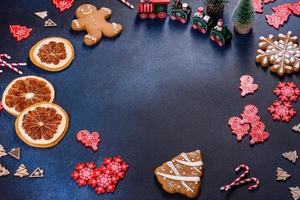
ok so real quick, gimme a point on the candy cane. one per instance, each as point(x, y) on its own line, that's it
point(249, 180)
point(239, 181)
point(127, 4)
point(10, 65)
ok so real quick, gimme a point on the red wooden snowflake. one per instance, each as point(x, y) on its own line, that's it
point(20, 32)
point(83, 173)
point(115, 166)
point(63, 5)
point(283, 111)
point(105, 184)
point(287, 91)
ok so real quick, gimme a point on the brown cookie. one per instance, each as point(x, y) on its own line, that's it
point(182, 174)
point(95, 23)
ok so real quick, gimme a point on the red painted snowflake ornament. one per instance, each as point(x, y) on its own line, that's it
point(115, 166)
point(20, 32)
point(287, 91)
point(104, 184)
point(247, 86)
point(83, 173)
point(238, 128)
point(63, 5)
point(283, 111)
point(103, 179)
point(89, 139)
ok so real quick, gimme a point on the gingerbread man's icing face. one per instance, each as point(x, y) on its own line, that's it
point(85, 10)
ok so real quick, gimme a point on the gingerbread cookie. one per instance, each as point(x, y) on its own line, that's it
point(281, 53)
point(182, 174)
point(95, 23)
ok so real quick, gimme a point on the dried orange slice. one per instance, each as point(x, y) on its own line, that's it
point(52, 53)
point(26, 91)
point(42, 125)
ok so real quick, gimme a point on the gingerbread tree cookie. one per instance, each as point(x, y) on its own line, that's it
point(21, 171)
point(182, 174)
point(2, 151)
point(281, 53)
point(95, 23)
point(282, 175)
point(3, 171)
point(291, 156)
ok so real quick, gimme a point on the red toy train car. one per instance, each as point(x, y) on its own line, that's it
point(153, 9)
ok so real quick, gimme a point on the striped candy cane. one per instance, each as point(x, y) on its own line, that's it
point(239, 181)
point(249, 180)
point(127, 4)
point(10, 65)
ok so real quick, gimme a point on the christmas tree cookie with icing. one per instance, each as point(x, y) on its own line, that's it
point(182, 174)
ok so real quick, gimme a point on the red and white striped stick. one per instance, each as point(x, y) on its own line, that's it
point(10, 65)
point(129, 5)
point(248, 180)
point(239, 181)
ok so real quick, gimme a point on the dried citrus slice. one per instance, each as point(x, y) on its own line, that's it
point(26, 91)
point(52, 53)
point(42, 125)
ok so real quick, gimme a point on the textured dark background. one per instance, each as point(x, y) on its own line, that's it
point(157, 90)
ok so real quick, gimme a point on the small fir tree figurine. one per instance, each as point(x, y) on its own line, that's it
point(243, 17)
point(215, 7)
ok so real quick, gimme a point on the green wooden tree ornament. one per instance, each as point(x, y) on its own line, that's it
point(243, 16)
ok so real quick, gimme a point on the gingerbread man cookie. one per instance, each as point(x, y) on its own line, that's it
point(95, 23)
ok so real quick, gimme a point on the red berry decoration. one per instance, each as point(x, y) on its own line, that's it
point(63, 5)
point(83, 173)
point(89, 139)
point(20, 32)
point(287, 91)
point(283, 111)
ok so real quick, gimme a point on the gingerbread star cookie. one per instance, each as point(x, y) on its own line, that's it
point(95, 23)
point(182, 174)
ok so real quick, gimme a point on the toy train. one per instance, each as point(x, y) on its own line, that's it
point(153, 9)
point(181, 12)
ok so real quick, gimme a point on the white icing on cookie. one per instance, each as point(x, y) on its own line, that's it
point(191, 164)
point(90, 37)
point(115, 27)
point(181, 178)
point(76, 22)
point(107, 10)
point(178, 175)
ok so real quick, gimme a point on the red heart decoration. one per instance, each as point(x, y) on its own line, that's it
point(63, 5)
point(88, 139)
point(20, 32)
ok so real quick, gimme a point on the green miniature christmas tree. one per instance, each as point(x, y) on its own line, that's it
point(243, 16)
point(215, 7)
